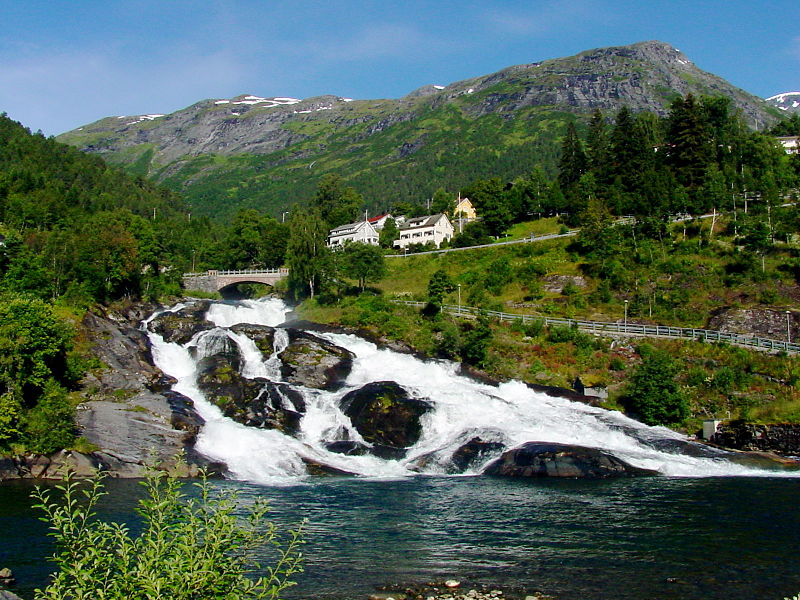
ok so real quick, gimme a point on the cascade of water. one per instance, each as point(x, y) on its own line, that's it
point(273, 364)
point(463, 408)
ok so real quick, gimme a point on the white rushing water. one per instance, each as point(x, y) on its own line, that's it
point(463, 409)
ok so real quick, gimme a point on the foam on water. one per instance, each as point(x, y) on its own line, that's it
point(463, 409)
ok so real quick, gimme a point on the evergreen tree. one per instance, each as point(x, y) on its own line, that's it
point(598, 147)
point(689, 149)
point(573, 159)
point(389, 233)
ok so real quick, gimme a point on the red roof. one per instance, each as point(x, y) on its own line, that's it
point(378, 218)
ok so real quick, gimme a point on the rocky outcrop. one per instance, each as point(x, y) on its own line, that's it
point(128, 412)
point(180, 326)
point(760, 322)
point(39, 466)
point(545, 459)
point(262, 335)
point(782, 439)
point(253, 402)
point(313, 362)
point(385, 414)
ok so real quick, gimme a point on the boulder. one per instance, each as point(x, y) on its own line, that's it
point(472, 453)
point(253, 402)
point(313, 362)
point(468, 455)
point(181, 326)
point(184, 416)
point(314, 467)
point(385, 414)
point(778, 438)
point(347, 447)
point(545, 459)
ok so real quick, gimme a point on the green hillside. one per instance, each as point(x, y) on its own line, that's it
point(269, 154)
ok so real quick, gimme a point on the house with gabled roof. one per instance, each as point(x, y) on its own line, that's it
point(421, 230)
point(379, 221)
point(361, 231)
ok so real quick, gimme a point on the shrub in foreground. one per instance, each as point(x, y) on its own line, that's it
point(188, 549)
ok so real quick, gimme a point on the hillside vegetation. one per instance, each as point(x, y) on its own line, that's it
point(249, 153)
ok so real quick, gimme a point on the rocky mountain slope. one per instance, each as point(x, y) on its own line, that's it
point(788, 102)
point(269, 152)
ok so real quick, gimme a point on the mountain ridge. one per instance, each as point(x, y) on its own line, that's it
point(268, 152)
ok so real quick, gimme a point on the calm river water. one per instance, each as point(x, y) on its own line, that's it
point(650, 538)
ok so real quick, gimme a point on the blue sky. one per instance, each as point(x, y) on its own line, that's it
point(67, 63)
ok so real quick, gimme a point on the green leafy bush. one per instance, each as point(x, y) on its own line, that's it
point(652, 393)
point(189, 548)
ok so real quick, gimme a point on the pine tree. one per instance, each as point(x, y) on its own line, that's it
point(573, 159)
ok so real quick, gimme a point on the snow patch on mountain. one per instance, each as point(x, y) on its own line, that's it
point(264, 102)
point(140, 118)
point(786, 101)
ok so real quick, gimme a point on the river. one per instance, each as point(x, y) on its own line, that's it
point(705, 528)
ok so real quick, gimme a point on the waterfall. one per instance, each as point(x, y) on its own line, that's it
point(462, 409)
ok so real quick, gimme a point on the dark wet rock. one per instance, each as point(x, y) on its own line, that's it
point(181, 326)
point(778, 438)
point(385, 414)
point(544, 459)
point(254, 402)
point(347, 447)
point(473, 453)
point(387, 452)
point(262, 335)
point(313, 362)
point(184, 416)
point(222, 366)
point(314, 467)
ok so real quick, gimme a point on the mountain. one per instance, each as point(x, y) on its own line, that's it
point(269, 153)
point(788, 102)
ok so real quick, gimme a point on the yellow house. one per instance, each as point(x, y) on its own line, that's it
point(464, 209)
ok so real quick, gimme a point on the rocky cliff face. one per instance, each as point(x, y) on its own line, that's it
point(129, 412)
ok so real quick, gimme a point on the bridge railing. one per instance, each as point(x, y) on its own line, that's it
point(600, 327)
point(214, 273)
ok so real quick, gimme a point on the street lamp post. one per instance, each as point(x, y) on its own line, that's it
point(283, 216)
point(626, 316)
point(459, 299)
point(788, 327)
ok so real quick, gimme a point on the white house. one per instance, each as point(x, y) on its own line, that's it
point(361, 231)
point(421, 230)
point(379, 221)
point(791, 145)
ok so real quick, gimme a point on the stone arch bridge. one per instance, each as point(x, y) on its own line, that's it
point(214, 281)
